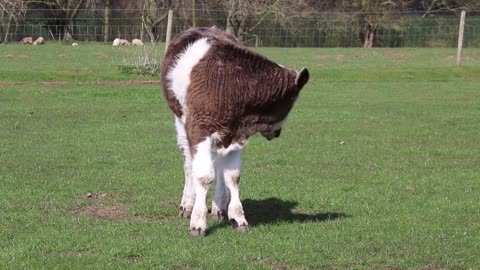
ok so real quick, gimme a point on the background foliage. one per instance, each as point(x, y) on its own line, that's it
point(278, 23)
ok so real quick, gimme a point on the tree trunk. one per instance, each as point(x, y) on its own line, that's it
point(194, 14)
point(230, 27)
point(7, 29)
point(68, 35)
point(150, 33)
point(151, 19)
point(106, 24)
point(236, 25)
point(369, 37)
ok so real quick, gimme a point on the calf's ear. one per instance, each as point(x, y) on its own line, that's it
point(302, 78)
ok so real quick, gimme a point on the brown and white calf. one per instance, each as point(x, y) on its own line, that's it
point(221, 94)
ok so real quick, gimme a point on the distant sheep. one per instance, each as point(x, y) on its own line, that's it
point(124, 42)
point(26, 40)
point(74, 44)
point(120, 42)
point(137, 42)
point(116, 42)
point(39, 41)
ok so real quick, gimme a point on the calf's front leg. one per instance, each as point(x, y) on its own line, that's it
point(220, 198)
point(188, 197)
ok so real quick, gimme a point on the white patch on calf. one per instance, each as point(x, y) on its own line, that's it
point(222, 151)
point(182, 139)
point(202, 163)
point(179, 75)
point(232, 147)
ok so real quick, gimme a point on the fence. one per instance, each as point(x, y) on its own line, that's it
point(315, 30)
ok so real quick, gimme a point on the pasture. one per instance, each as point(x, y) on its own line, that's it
point(378, 166)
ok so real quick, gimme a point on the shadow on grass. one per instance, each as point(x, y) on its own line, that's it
point(275, 210)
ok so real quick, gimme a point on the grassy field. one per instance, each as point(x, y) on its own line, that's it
point(378, 166)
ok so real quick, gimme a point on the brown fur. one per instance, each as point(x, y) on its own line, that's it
point(233, 91)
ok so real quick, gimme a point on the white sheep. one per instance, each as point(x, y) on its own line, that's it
point(124, 42)
point(120, 42)
point(39, 41)
point(137, 42)
point(26, 40)
point(75, 44)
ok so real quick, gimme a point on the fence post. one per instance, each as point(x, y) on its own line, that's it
point(169, 29)
point(460, 37)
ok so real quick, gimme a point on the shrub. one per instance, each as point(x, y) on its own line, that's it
point(143, 60)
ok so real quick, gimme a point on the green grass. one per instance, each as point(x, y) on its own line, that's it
point(377, 167)
point(61, 62)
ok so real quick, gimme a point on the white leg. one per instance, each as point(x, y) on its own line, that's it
point(188, 197)
point(203, 174)
point(232, 166)
point(220, 199)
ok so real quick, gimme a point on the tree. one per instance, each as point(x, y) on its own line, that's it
point(10, 11)
point(243, 16)
point(154, 13)
point(67, 10)
point(106, 21)
point(368, 16)
point(430, 6)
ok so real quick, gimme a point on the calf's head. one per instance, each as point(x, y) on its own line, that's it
point(277, 111)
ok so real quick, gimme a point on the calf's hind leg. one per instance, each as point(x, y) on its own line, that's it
point(202, 175)
point(232, 163)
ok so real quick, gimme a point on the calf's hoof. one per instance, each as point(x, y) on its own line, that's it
point(184, 212)
point(242, 228)
point(196, 232)
point(218, 215)
point(239, 228)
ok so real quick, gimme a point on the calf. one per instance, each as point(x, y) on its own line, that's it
point(221, 94)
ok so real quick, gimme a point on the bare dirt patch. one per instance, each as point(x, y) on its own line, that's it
point(53, 83)
point(10, 55)
point(400, 56)
point(272, 263)
point(134, 258)
point(323, 57)
point(450, 58)
point(106, 212)
point(62, 55)
point(359, 56)
point(113, 212)
point(103, 56)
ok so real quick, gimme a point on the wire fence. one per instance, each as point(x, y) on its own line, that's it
point(304, 30)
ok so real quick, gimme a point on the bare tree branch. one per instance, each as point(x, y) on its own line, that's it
point(15, 11)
